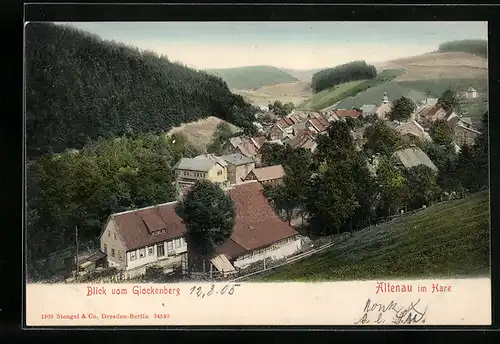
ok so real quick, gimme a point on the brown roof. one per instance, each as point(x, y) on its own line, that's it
point(259, 141)
point(268, 173)
point(300, 140)
point(285, 122)
point(347, 113)
point(137, 228)
point(257, 225)
point(320, 123)
point(247, 148)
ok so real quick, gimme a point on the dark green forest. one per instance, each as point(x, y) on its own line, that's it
point(356, 70)
point(80, 87)
point(472, 46)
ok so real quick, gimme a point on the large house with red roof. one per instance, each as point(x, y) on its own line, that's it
point(136, 238)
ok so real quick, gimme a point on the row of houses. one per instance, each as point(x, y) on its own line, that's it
point(138, 238)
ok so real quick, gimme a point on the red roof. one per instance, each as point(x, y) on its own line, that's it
point(259, 141)
point(138, 228)
point(257, 225)
point(285, 122)
point(320, 123)
point(348, 113)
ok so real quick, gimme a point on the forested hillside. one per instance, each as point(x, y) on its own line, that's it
point(472, 46)
point(352, 71)
point(80, 87)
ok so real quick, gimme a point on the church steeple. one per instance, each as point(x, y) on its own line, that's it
point(385, 99)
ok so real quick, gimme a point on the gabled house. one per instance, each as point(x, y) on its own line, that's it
point(267, 175)
point(464, 133)
point(412, 129)
point(471, 93)
point(247, 146)
point(411, 157)
point(318, 125)
point(155, 235)
point(134, 238)
point(238, 167)
point(206, 166)
point(303, 139)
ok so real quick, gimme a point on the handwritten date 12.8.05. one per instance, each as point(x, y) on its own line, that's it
point(202, 291)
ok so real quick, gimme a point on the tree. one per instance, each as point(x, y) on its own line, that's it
point(331, 199)
point(481, 154)
point(209, 216)
point(441, 133)
point(281, 109)
point(402, 109)
point(273, 154)
point(393, 187)
point(449, 100)
point(422, 181)
point(381, 139)
point(222, 134)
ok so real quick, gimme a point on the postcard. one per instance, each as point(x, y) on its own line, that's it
point(257, 173)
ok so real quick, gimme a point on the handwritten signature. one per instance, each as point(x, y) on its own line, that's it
point(378, 313)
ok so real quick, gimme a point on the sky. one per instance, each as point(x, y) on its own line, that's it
point(295, 45)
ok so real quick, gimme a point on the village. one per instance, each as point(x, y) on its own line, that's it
point(134, 241)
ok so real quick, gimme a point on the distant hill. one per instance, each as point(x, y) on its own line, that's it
point(374, 95)
point(252, 77)
point(439, 65)
point(450, 240)
point(295, 92)
point(80, 87)
point(302, 74)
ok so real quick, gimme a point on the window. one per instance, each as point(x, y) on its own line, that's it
point(120, 255)
point(219, 173)
point(112, 252)
point(151, 250)
point(114, 235)
point(109, 234)
point(133, 255)
point(170, 246)
point(160, 249)
point(177, 243)
point(142, 253)
point(105, 248)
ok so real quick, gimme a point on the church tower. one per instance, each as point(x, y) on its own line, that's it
point(385, 99)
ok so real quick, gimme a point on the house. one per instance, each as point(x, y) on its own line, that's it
point(206, 166)
point(143, 236)
point(368, 110)
point(303, 139)
point(155, 235)
point(259, 232)
point(432, 114)
point(464, 133)
point(318, 125)
point(267, 175)
point(412, 129)
point(343, 113)
point(471, 93)
point(284, 126)
point(411, 157)
point(238, 167)
point(247, 146)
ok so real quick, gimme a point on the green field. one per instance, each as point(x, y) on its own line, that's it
point(374, 94)
point(350, 89)
point(437, 87)
point(449, 239)
point(252, 77)
point(332, 95)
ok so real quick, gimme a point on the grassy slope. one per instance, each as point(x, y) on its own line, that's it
point(437, 87)
point(445, 240)
point(252, 77)
point(332, 95)
point(302, 74)
point(374, 95)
